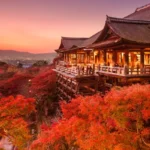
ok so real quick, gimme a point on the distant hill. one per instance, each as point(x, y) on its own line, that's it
point(12, 54)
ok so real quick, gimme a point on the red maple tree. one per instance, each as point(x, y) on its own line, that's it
point(17, 84)
point(118, 121)
point(14, 112)
point(43, 88)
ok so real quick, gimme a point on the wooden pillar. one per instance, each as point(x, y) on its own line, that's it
point(142, 58)
point(68, 57)
point(99, 55)
point(142, 61)
point(93, 57)
point(77, 88)
point(104, 57)
point(114, 57)
point(65, 57)
point(88, 57)
point(126, 55)
point(93, 69)
point(85, 58)
point(76, 58)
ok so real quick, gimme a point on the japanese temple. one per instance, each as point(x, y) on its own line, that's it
point(119, 55)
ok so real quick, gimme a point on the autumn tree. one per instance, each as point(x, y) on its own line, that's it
point(36, 70)
point(130, 109)
point(6, 75)
point(14, 112)
point(118, 121)
point(17, 84)
point(43, 88)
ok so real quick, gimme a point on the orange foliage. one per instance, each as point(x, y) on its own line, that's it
point(43, 90)
point(13, 114)
point(43, 84)
point(118, 121)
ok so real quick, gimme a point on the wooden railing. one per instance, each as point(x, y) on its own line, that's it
point(68, 70)
point(77, 70)
point(90, 69)
point(111, 70)
point(123, 70)
point(138, 71)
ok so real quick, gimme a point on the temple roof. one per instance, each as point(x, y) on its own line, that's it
point(106, 43)
point(132, 30)
point(70, 42)
point(90, 40)
point(141, 13)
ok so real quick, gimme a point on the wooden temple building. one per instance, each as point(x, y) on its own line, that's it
point(117, 55)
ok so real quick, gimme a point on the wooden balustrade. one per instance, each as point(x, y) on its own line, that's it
point(89, 70)
point(77, 70)
point(139, 71)
point(123, 70)
point(111, 70)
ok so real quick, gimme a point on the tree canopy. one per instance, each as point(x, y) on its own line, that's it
point(14, 112)
point(118, 121)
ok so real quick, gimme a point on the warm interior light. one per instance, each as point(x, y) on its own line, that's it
point(122, 54)
point(95, 53)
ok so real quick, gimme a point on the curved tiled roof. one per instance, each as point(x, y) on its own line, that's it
point(141, 13)
point(134, 27)
point(132, 30)
point(90, 40)
point(69, 42)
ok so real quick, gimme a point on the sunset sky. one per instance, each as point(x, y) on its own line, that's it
point(37, 25)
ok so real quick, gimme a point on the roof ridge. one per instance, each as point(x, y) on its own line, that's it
point(142, 7)
point(138, 10)
point(125, 20)
point(74, 38)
